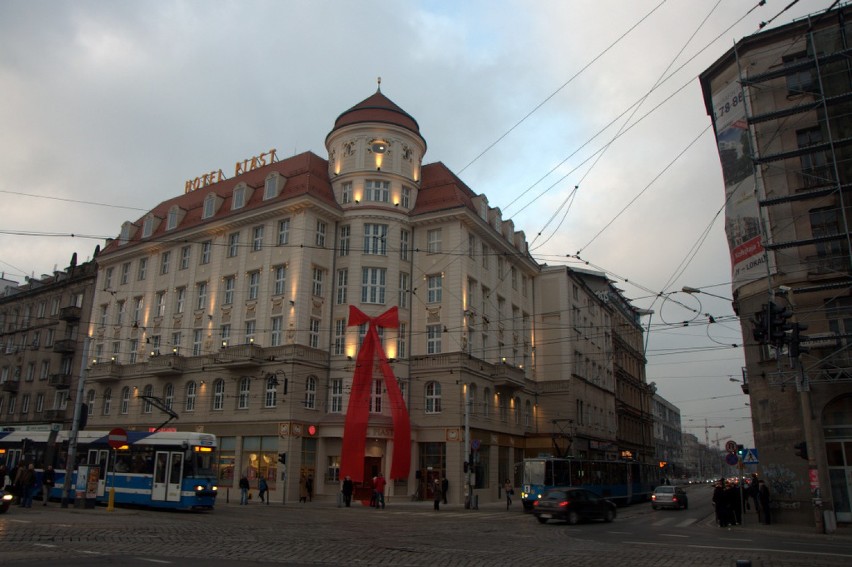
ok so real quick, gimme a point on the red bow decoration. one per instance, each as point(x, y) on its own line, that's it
point(358, 412)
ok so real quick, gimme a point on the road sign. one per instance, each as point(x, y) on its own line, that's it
point(731, 459)
point(731, 446)
point(117, 438)
point(750, 457)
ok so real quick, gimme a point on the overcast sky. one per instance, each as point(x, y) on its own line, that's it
point(110, 106)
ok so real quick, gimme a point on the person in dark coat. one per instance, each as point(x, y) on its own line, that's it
point(720, 505)
point(763, 497)
point(244, 489)
point(436, 493)
point(347, 491)
point(735, 503)
point(48, 479)
point(445, 487)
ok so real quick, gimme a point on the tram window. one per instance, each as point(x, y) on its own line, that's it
point(160, 469)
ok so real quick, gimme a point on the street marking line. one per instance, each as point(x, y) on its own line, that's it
point(43, 545)
point(621, 533)
point(686, 523)
point(673, 535)
point(22, 521)
point(153, 560)
point(734, 539)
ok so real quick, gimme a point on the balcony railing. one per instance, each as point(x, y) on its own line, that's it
point(9, 386)
point(65, 346)
point(167, 365)
point(105, 372)
point(59, 381)
point(240, 356)
point(508, 376)
point(70, 313)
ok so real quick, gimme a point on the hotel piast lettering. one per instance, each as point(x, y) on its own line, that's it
point(204, 180)
point(257, 161)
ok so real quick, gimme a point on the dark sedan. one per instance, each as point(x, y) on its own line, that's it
point(572, 505)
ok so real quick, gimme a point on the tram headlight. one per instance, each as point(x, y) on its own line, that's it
point(8, 497)
point(214, 488)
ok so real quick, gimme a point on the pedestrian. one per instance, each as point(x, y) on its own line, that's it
point(48, 479)
point(262, 488)
point(303, 488)
point(244, 489)
point(436, 493)
point(379, 486)
point(720, 505)
point(347, 491)
point(735, 503)
point(753, 493)
point(309, 486)
point(507, 487)
point(445, 487)
point(763, 496)
point(28, 484)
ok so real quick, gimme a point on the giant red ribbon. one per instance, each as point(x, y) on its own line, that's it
point(358, 412)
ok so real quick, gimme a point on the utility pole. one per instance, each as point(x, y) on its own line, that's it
point(71, 462)
point(467, 460)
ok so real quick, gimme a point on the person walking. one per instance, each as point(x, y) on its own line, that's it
point(309, 486)
point(244, 489)
point(720, 505)
point(48, 479)
point(303, 488)
point(379, 487)
point(436, 493)
point(347, 491)
point(763, 497)
point(445, 487)
point(507, 488)
point(262, 489)
point(28, 484)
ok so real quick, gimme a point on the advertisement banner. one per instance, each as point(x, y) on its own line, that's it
point(742, 213)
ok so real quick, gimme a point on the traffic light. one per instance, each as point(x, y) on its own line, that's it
point(312, 430)
point(778, 325)
point(740, 451)
point(796, 347)
point(801, 450)
point(761, 325)
point(663, 464)
point(282, 458)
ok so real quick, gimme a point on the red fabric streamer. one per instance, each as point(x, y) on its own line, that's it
point(358, 411)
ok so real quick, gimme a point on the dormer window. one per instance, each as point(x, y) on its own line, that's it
point(174, 217)
point(127, 230)
point(209, 206)
point(239, 198)
point(148, 226)
point(270, 188)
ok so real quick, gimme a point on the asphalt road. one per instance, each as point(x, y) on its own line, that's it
point(404, 534)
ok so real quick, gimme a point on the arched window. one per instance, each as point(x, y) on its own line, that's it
point(169, 395)
point(433, 397)
point(148, 391)
point(219, 394)
point(311, 392)
point(90, 401)
point(486, 400)
point(191, 392)
point(107, 401)
point(125, 400)
point(271, 398)
point(243, 399)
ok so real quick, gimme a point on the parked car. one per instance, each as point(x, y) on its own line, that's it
point(572, 505)
point(5, 500)
point(669, 497)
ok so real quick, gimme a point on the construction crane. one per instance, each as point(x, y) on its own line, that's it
point(706, 429)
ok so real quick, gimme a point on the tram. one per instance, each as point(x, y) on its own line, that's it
point(163, 469)
point(623, 482)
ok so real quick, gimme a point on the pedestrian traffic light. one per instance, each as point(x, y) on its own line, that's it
point(740, 451)
point(801, 449)
point(796, 338)
point(312, 430)
point(761, 325)
point(282, 458)
point(778, 325)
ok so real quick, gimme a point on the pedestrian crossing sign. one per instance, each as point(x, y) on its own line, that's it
point(750, 457)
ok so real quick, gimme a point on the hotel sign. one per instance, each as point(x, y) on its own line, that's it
point(240, 167)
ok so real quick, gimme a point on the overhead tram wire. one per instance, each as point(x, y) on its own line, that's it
point(613, 121)
point(621, 129)
point(565, 84)
point(52, 198)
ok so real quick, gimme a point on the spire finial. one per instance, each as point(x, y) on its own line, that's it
point(380, 85)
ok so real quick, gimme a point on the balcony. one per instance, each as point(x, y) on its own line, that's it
point(168, 365)
point(105, 372)
point(54, 414)
point(70, 314)
point(10, 386)
point(59, 381)
point(239, 357)
point(508, 376)
point(65, 346)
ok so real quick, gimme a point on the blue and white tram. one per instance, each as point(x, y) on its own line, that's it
point(623, 482)
point(165, 469)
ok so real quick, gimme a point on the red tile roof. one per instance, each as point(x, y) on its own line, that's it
point(441, 190)
point(377, 108)
point(306, 174)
